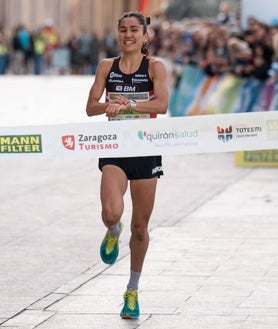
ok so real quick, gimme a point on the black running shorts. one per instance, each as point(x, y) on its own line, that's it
point(136, 167)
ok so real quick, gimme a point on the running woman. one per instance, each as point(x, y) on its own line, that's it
point(147, 96)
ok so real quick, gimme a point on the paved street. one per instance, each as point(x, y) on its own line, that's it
point(213, 256)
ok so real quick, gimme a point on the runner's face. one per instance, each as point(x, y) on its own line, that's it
point(131, 36)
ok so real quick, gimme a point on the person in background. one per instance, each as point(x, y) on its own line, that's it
point(94, 53)
point(273, 73)
point(274, 38)
point(75, 56)
point(22, 49)
point(38, 45)
point(147, 76)
point(84, 41)
point(110, 44)
point(4, 50)
point(51, 39)
point(224, 15)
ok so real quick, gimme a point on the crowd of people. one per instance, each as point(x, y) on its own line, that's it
point(21, 47)
point(220, 45)
point(217, 45)
point(41, 51)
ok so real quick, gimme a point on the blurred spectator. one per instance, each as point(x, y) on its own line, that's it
point(216, 57)
point(51, 39)
point(225, 16)
point(240, 56)
point(198, 47)
point(262, 33)
point(95, 49)
point(17, 53)
point(253, 65)
point(4, 50)
point(274, 34)
point(251, 22)
point(75, 55)
point(273, 72)
point(157, 41)
point(38, 45)
point(22, 49)
point(249, 37)
point(262, 59)
point(110, 44)
point(84, 41)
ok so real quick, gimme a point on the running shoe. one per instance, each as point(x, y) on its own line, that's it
point(131, 305)
point(109, 248)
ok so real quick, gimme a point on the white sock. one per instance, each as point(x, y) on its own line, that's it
point(133, 280)
point(115, 230)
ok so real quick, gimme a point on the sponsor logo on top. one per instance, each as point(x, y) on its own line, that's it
point(69, 142)
point(20, 144)
point(126, 89)
point(226, 134)
point(169, 138)
point(84, 142)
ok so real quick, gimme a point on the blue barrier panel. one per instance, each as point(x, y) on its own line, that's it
point(184, 94)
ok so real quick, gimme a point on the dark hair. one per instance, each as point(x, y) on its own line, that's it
point(145, 21)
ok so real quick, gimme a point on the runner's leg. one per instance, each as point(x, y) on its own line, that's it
point(113, 187)
point(143, 196)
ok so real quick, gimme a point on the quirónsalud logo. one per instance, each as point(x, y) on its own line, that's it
point(162, 136)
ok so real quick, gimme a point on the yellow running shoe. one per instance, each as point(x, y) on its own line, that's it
point(109, 248)
point(131, 306)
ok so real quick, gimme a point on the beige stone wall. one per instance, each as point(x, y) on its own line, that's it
point(69, 16)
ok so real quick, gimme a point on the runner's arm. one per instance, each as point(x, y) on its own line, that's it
point(94, 106)
point(159, 104)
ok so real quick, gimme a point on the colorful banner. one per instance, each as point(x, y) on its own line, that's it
point(196, 93)
point(183, 135)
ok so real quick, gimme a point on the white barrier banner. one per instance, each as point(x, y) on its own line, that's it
point(178, 135)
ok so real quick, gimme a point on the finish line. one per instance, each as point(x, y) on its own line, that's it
point(163, 136)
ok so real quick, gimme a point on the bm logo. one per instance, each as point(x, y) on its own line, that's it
point(225, 134)
point(127, 89)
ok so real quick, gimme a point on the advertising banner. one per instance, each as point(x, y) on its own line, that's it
point(165, 136)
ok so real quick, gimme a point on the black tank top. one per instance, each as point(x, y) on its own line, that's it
point(137, 86)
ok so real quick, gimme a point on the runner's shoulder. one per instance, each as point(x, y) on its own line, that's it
point(156, 64)
point(105, 64)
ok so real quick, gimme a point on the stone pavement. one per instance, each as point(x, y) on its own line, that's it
point(212, 260)
point(210, 265)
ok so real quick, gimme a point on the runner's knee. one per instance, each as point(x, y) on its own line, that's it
point(139, 231)
point(110, 217)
